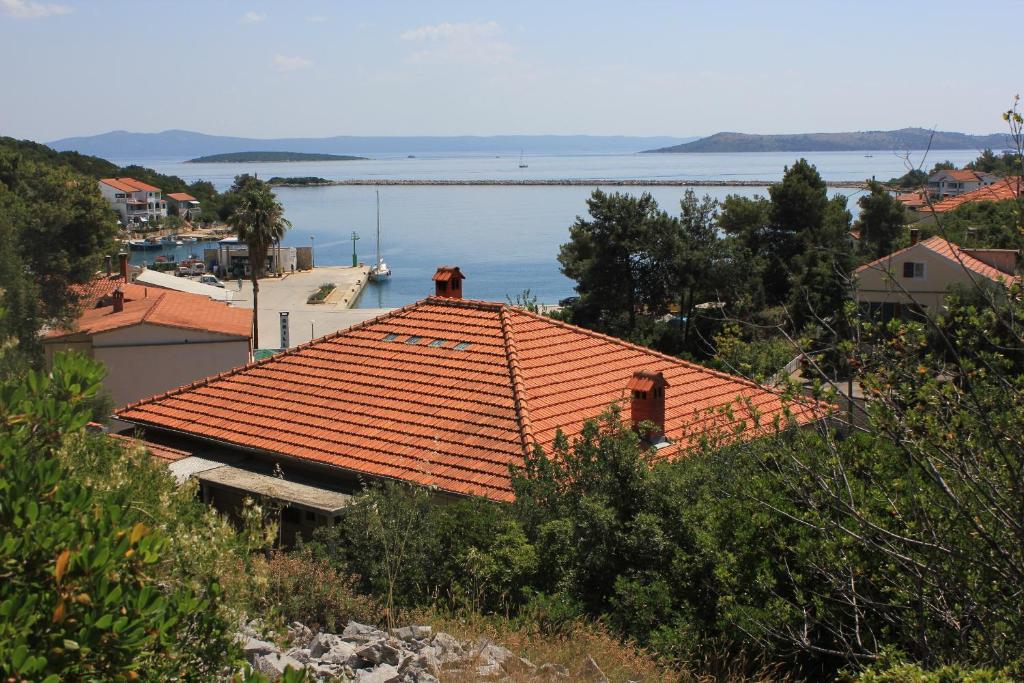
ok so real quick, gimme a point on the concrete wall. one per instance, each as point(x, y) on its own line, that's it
point(148, 359)
point(886, 283)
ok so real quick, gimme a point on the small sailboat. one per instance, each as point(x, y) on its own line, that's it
point(522, 164)
point(380, 271)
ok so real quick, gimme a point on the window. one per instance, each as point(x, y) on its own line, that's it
point(290, 515)
point(413, 340)
point(461, 346)
point(913, 270)
point(436, 343)
point(390, 337)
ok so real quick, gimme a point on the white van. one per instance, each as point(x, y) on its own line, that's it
point(211, 280)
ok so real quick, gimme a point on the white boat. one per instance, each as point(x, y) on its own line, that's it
point(380, 271)
point(522, 164)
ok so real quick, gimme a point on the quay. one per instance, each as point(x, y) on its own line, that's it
point(306, 321)
point(566, 182)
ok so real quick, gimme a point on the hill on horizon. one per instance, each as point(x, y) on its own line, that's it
point(862, 141)
point(183, 144)
point(273, 157)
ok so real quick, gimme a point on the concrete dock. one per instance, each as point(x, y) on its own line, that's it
point(306, 321)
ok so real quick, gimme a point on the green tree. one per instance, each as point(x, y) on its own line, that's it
point(259, 219)
point(881, 223)
point(54, 229)
point(699, 257)
point(621, 259)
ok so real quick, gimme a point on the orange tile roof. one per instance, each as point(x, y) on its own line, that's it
point(401, 397)
point(162, 307)
point(129, 185)
point(447, 273)
point(155, 450)
point(1007, 188)
point(947, 249)
point(93, 292)
point(182, 197)
point(912, 200)
point(962, 174)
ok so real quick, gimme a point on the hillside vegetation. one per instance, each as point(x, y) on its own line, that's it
point(270, 157)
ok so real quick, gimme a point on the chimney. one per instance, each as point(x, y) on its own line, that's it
point(109, 261)
point(122, 260)
point(647, 403)
point(448, 282)
point(118, 300)
point(915, 235)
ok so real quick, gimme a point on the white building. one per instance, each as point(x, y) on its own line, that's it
point(955, 182)
point(152, 340)
point(136, 201)
point(186, 205)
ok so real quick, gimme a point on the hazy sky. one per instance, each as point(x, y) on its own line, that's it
point(314, 68)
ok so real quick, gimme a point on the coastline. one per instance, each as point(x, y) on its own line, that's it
point(567, 182)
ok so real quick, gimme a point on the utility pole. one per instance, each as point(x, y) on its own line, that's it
point(355, 259)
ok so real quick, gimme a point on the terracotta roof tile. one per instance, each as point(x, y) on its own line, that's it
point(1007, 188)
point(181, 197)
point(154, 306)
point(129, 185)
point(455, 419)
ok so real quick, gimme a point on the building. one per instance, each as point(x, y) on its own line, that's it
point(135, 201)
point(915, 281)
point(230, 258)
point(954, 182)
point(447, 393)
point(185, 205)
point(152, 340)
point(1001, 190)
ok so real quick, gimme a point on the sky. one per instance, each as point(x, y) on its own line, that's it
point(314, 68)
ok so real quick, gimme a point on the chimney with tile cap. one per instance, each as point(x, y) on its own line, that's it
point(915, 235)
point(118, 300)
point(647, 402)
point(122, 259)
point(448, 282)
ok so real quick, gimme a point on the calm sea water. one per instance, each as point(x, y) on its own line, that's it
point(505, 238)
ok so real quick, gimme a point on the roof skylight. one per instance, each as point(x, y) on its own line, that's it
point(390, 337)
point(436, 343)
point(414, 340)
point(461, 346)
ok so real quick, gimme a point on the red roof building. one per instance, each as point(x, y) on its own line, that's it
point(449, 393)
point(1001, 190)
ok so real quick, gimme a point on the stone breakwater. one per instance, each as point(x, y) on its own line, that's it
point(568, 182)
point(412, 654)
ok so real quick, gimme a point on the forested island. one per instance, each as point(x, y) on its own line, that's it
point(902, 139)
point(241, 157)
point(303, 181)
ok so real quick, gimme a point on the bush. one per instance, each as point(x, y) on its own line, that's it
point(321, 294)
point(78, 599)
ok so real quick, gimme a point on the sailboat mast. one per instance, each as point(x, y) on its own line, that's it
point(378, 227)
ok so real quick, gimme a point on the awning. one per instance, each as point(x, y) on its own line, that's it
point(256, 484)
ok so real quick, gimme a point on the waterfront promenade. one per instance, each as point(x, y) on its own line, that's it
point(306, 321)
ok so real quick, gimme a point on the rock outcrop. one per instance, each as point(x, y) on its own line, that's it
point(411, 654)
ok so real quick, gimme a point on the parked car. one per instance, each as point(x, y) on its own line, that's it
point(199, 268)
point(211, 280)
point(184, 271)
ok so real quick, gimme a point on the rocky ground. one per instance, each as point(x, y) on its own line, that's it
point(412, 654)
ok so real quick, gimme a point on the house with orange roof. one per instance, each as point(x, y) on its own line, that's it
point(184, 205)
point(914, 281)
point(150, 339)
point(134, 200)
point(446, 393)
point(954, 182)
point(999, 191)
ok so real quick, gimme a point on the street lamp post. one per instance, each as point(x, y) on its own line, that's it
point(312, 261)
point(312, 334)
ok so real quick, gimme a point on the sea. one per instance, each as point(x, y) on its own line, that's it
point(505, 238)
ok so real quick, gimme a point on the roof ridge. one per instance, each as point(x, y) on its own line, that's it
point(649, 351)
point(159, 300)
point(518, 387)
point(206, 380)
point(905, 249)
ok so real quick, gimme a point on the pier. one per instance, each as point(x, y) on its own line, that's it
point(566, 182)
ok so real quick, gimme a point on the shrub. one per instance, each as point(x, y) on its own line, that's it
point(78, 599)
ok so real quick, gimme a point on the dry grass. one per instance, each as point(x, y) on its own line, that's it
point(619, 661)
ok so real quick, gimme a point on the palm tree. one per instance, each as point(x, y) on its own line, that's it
point(259, 219)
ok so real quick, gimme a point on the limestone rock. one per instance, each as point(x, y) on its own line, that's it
point(254, 647)
point(385, 673)
point(591, 672)
point(274, 665)
point(299, 634)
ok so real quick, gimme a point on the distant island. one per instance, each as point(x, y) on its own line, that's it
point(304, 181)
point(875, 140)
point(239, 157)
